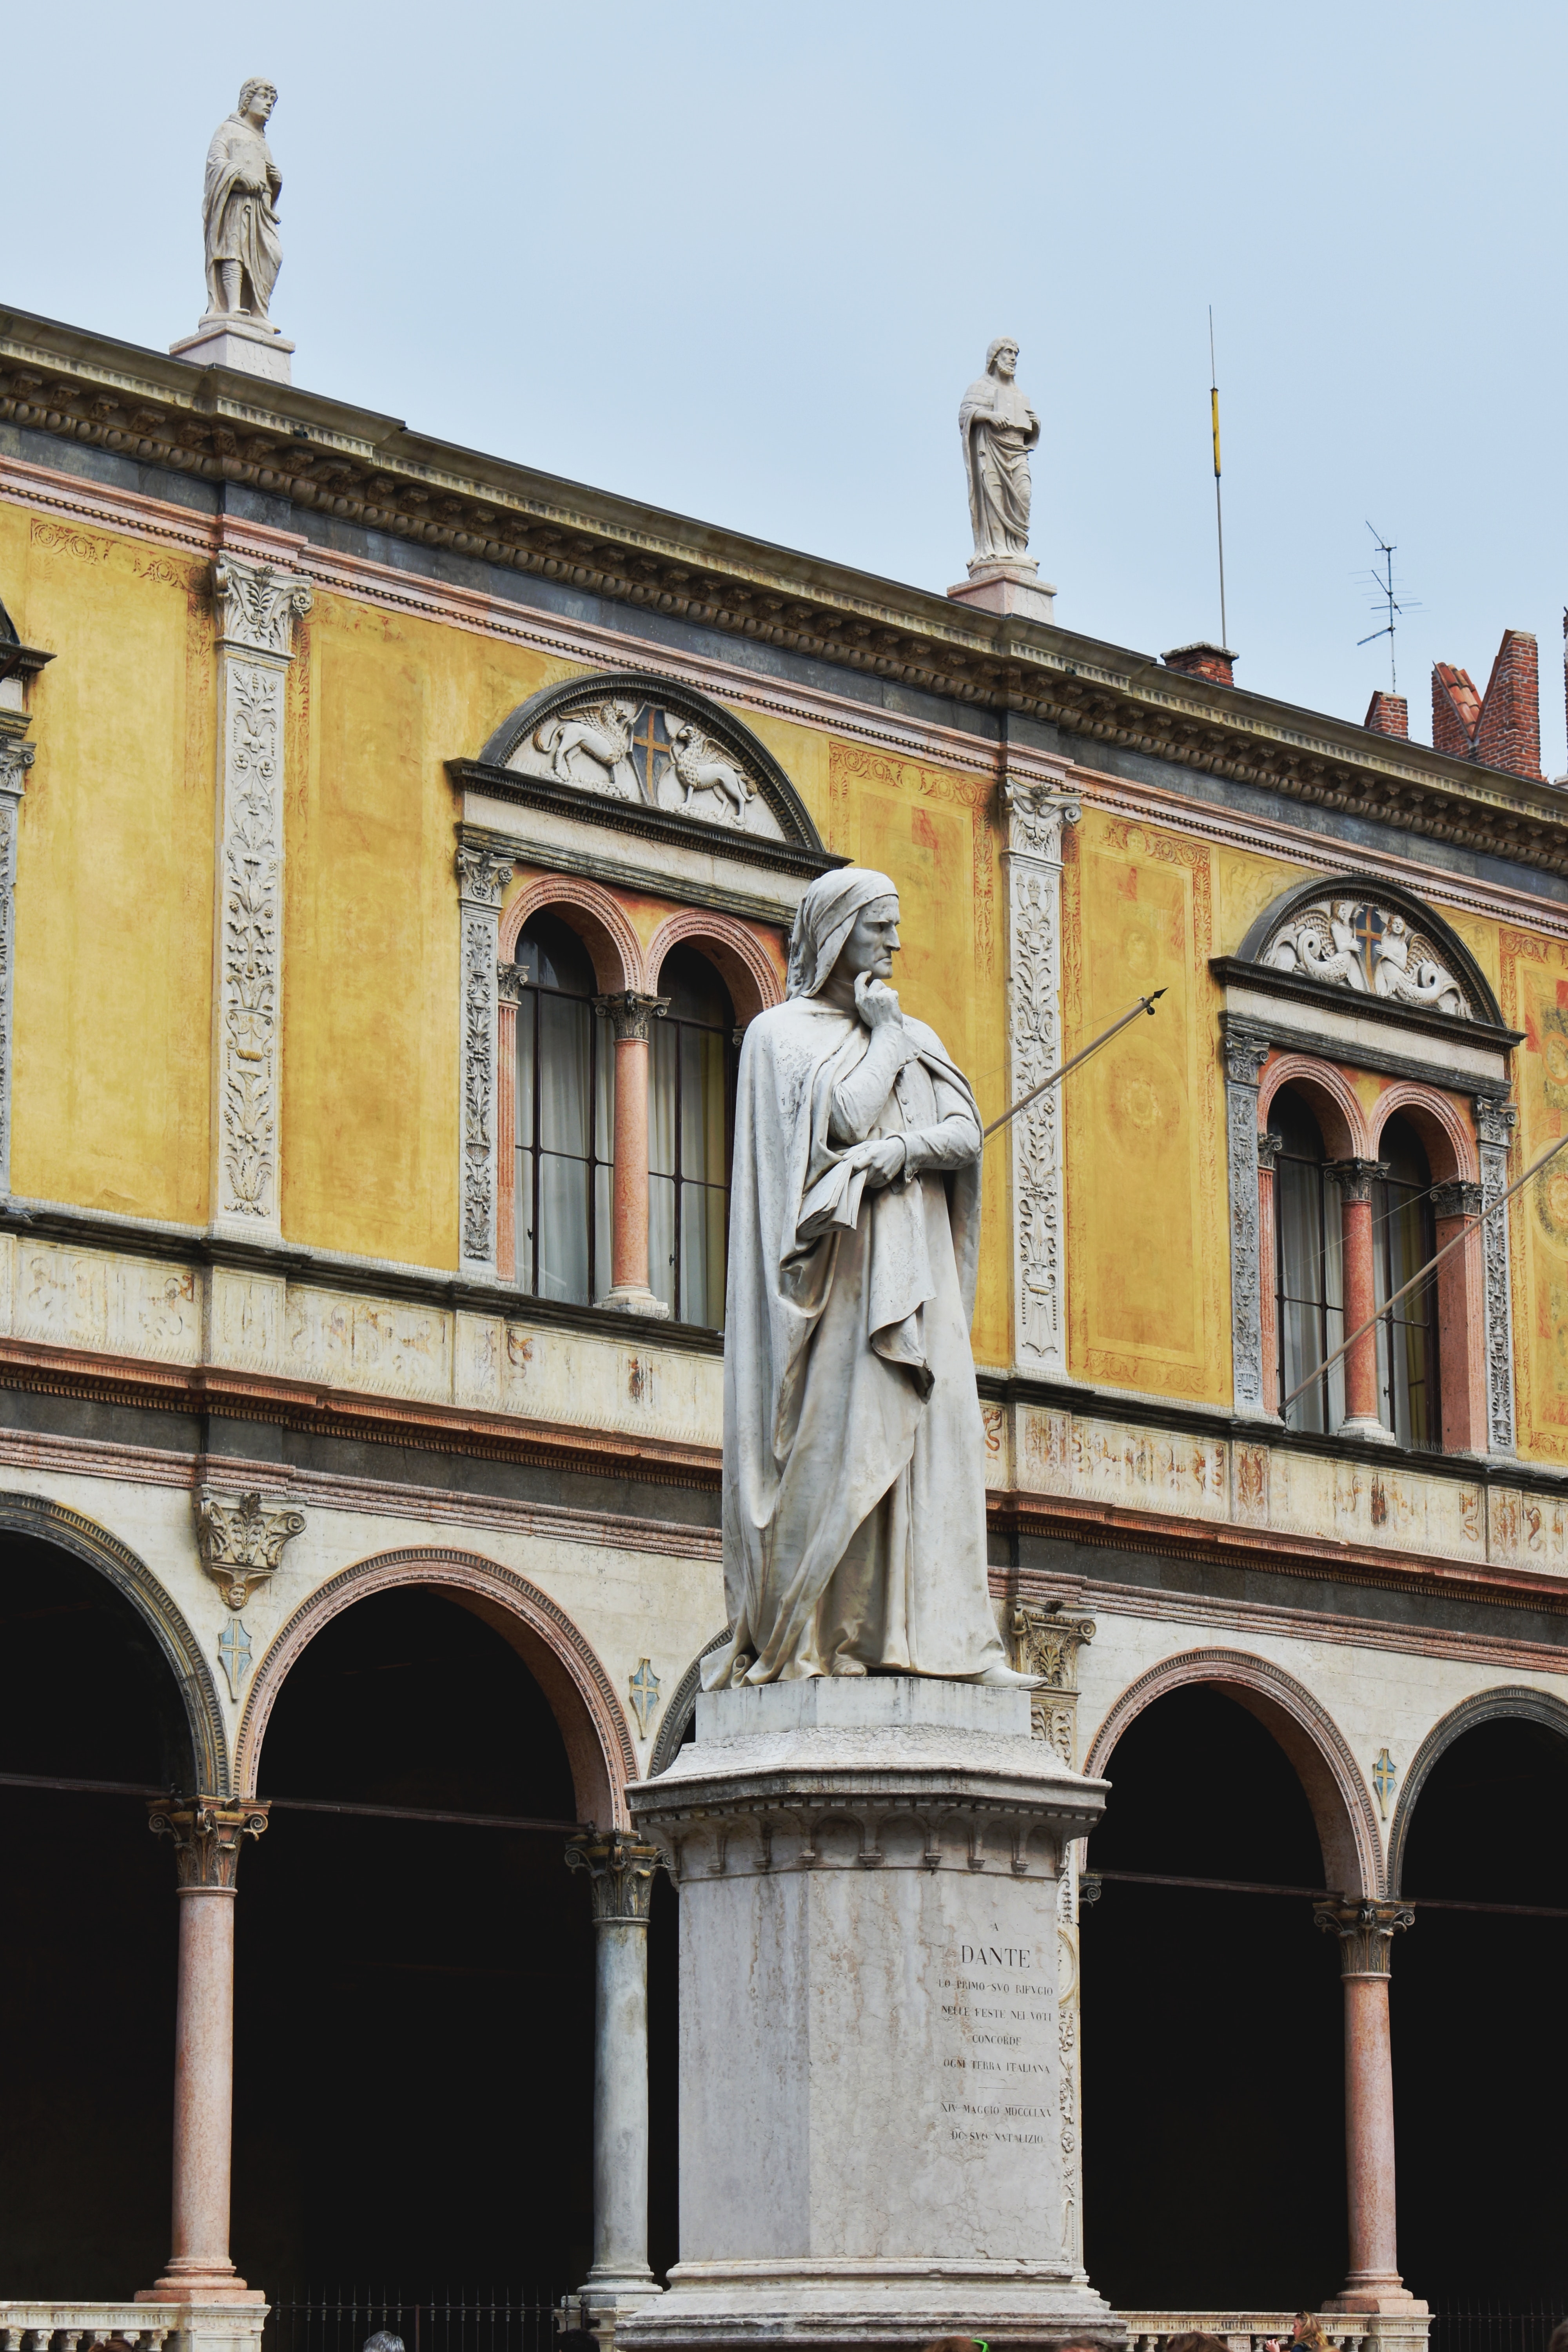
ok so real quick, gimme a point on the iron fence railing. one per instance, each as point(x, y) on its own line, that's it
point(1503, 2323)
point(449, 2319)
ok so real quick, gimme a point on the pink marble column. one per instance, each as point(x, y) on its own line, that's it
point(207, 1833)
point(1365, 1931)
point(629, 1286)
point(1355, 1179)
point(1268, 1269)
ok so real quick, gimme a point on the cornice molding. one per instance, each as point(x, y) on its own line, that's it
point(327, 456)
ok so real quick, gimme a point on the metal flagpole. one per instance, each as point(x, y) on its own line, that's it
point(1144, 1004)
point(1469, 1228)
point(1218, 514)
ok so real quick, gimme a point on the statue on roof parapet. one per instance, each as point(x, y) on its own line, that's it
point(243, 249)
point(998, 429)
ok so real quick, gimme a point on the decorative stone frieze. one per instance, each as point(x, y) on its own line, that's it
point(1246, 1051)
point(482, 878)
point(1495, 1123)
point(241, 1541)
point(1365, 1930)
point(256, 608)
point(1032, 863)
point(620, 1871)
point(205, 1833)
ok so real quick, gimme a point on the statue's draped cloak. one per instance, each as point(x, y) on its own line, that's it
point(999, 429)
point(854, 1524)
point(238, 221)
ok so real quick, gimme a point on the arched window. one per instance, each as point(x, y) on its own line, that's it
point(565, 1119)
point(690, 1125)
point(1403, 1239)
point(1309, 1266)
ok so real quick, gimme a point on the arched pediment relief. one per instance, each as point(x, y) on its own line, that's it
point(652, 743)
point(1373, 940)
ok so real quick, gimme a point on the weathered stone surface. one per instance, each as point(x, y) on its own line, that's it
point(871, 2127)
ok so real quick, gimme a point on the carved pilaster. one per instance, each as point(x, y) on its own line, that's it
point(630, 1015)
point(620, 1871)
point(16, 759)
point(241, 1541)
point(1246, 1051)
point(1032, 862)
point(1495, 1123)
point(205, 1833)
point(1047, 1644)
point(256, 608)
point(482, 878)
point(1365, 1930)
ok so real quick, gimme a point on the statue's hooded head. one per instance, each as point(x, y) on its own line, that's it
point(1002, 343)
point(256, 87)
point(825, 919)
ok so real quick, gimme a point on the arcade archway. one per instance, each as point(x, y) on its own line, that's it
point(1212, 2021)
point(88, 1693)
point(1480, 2046)
point(414, 1990)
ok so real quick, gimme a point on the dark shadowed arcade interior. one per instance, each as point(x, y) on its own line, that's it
point(1212, 2045)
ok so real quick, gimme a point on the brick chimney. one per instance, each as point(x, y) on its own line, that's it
point(1509, 733)
point(1500, 728)
point(1388, 714)
point(1203, 660)
point(1455, 711)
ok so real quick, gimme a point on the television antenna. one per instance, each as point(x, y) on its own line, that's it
point(1387, 602)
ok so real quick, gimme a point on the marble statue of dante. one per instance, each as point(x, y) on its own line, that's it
point(238, 209)
point(998, 428)
point(854, 1452)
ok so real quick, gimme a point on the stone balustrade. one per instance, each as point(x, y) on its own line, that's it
point(140, 2326)
point(1249, 2331)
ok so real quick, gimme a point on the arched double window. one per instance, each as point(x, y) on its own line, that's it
point(690, 1128)
point(1311, 1239)
point(565, 1119)
point(1309, 1266)
point(1403, 1239)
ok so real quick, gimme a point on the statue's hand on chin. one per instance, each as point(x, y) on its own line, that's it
point(876, 1003)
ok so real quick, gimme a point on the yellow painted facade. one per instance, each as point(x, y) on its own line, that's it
point(114, 962)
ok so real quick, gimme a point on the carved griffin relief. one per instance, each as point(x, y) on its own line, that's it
point(1359, 945)
point(640, 751)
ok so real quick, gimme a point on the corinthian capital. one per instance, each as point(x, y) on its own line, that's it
point(630, 1014)
point(1365, 1930)
point(257, 606)
point(16, 759)
point(1036, 816)
point(621, 1873)
point(241, 1541)
point(205, 1833)
point(482, 875)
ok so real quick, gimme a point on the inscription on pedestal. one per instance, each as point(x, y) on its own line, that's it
point(999, 2009)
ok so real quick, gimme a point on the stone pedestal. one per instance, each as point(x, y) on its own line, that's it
point(233, 339)
point(1007, 584)
point(872, 2115)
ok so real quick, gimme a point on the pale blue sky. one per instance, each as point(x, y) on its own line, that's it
point(741, 261)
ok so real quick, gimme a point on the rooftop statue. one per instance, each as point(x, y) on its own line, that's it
point(854, 1451)
point(239, 208)
point(998, 428)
